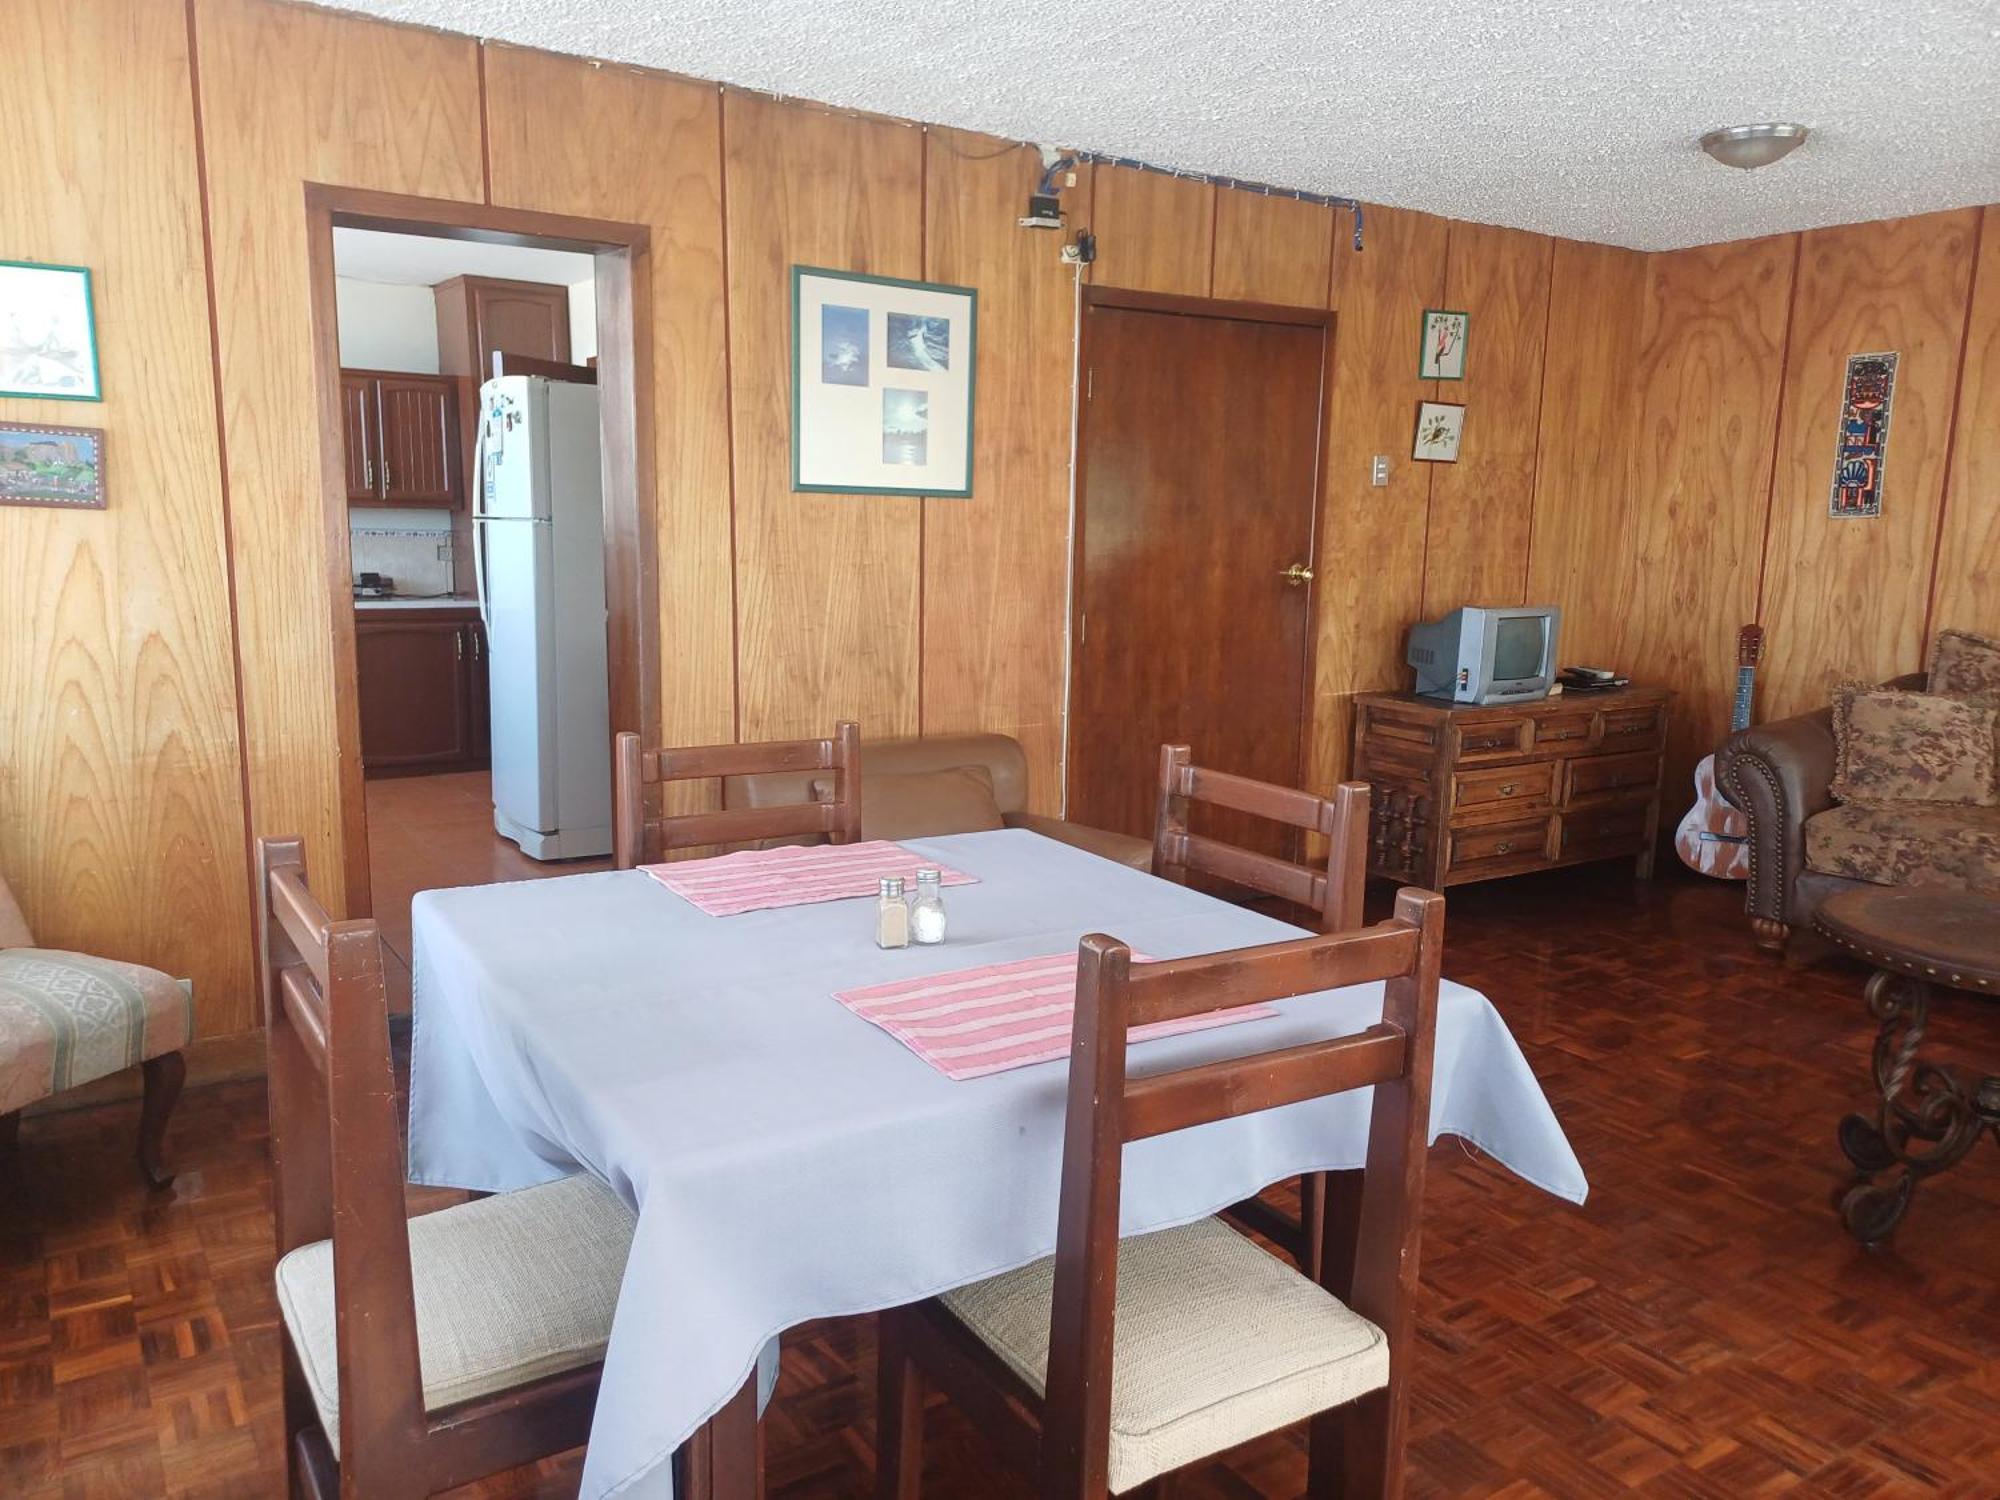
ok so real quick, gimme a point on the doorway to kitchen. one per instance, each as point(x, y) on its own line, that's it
point(478, 373)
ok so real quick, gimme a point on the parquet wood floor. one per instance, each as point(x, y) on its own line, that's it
point(1701, 1328)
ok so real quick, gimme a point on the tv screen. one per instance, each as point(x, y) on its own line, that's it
point(1517, 649)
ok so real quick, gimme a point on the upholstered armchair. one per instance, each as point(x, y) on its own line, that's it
point(1809, 837)
point(67, 1019)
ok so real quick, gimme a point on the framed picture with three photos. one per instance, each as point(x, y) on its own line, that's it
point(882, 384)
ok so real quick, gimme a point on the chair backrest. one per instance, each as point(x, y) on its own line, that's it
point(1002, 756)
point(1334, 891)
point(336, 1144)
point(638, 835)
point(1106, 1109)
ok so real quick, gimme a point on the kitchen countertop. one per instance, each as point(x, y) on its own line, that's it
point(453, 601)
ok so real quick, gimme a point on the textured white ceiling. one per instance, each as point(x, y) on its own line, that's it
point(1577, 117)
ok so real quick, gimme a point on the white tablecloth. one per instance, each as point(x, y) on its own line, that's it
point(788, 1160)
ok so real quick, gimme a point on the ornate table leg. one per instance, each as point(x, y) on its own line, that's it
point(1929, 1117)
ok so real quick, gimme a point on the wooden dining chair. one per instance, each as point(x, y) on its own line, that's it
point(637, 837)
point(419, 1354)
point(1332, 892)
point(1114, 1362)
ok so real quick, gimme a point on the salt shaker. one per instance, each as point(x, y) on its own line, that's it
point(892, 915)
point(927, 908)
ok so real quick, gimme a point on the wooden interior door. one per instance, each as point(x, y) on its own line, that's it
point(1199, 442)
point(358, 437)
point(419, 439)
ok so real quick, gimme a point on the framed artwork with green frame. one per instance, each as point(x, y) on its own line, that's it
point(1441, 347)
point(48, 332)
point(882, 384)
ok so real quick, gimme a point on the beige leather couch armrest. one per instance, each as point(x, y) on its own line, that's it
point(1120, 847)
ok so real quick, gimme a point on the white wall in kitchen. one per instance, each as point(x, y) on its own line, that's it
point(385, 327)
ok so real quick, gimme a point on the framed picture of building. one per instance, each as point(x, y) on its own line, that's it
point(882, 384)
point(46, 465)
point(48, 332)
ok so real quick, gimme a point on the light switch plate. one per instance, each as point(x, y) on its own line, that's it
point(1378, 476)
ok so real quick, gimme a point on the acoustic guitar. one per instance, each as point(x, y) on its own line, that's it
point(1714, 837)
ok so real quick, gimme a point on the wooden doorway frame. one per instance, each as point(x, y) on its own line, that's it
point(1130, 300)
point(622, 255)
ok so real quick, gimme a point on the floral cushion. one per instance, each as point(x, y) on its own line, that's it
point(1964, 665)
point(1908, 843)
point(1898, 746)
point(68, 1018)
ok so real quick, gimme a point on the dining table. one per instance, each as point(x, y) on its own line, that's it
point(788, 1160)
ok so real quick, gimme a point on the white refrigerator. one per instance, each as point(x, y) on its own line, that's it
point(538, 552)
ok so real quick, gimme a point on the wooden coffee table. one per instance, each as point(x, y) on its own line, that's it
point(1931, 1114)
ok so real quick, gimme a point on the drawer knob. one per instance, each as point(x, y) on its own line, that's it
point(1508, 789)
point(1505, 846)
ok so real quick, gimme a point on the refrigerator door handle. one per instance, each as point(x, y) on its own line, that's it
point(478, 536)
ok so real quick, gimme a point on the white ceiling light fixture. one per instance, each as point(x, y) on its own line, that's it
point(1748, 146)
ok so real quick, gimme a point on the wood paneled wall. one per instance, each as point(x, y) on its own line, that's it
point(378, 107)
point(121, 796)
point(1646, 443)
point(1848, 598)
point(1723, 368)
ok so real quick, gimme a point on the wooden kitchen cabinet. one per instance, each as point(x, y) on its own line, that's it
point(402, 437)
point(422, 680)
point(479, 315)
point(358, 436)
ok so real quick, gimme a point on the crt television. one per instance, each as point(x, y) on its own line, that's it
point(1487, 655)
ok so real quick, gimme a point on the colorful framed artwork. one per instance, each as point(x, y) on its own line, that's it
point(48, 332)
point(1441, 355)
point(1439, 424)
point(1862, 444)
point(882, 384)
point(46, 465)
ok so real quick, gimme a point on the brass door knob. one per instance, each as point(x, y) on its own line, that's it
point(1298, 575)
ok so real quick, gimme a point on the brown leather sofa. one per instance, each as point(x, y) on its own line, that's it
point(1780, 775)
point(891, 768)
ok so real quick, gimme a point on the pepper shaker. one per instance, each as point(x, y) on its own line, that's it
point(892, 915)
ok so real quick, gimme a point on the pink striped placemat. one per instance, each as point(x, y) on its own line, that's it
point(999, 1016)
point(730, 884)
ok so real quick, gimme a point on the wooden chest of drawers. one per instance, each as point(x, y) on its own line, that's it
point(1470, 793)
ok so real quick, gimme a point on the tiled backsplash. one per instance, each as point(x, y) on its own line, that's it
point(415, 552)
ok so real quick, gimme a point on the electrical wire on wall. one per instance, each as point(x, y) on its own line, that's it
point(1045, 205)
point(1329, 200)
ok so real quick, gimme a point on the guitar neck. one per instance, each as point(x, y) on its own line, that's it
point(1739, 713)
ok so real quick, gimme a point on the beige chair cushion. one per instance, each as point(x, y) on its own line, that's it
point(67, 1019)
point(924, 804)
point(508, 1289)
point(1217, 1342)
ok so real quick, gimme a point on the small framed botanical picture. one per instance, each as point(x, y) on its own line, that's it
point(1441, 356)
point(882, 382)
point(46, 465)
point(1438, 426)
point(48, 332)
